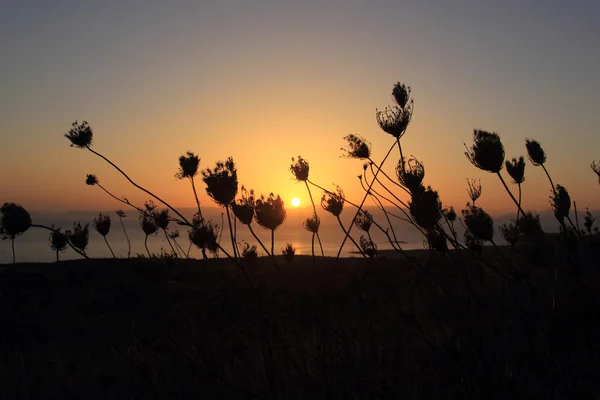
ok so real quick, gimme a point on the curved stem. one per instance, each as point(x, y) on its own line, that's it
point(139, 187)
point(390, 179)
point(12, 240)
point(235, 254)
point(146, 246)
point(315, 211)
point(351, 238)
point(313, 248)
point(273, 242)
point(510, 193)
point(170, 244)
point(550, 179)
point(519, 208)
point(127, 237)
point(81, 253)
point(262, 245)
point(320, 244)
point(110, 248)
point(196, 196)
point(363, 202)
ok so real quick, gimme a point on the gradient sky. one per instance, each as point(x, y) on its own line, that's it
point(263, 81)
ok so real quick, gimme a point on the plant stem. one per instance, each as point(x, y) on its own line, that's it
point(273, 242)
point(315, 211)
point(127, 237)
point(12, 240)
point(196, 196)
point(81, 253)
point(510, 193)
point(111, 250)
point(146, 246)
point(235, 254)
point(351, 238)
point(263, 246)
point(313, 248)
point(362, 203)
point(170, 244)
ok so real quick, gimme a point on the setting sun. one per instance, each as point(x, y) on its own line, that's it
point(295, 202)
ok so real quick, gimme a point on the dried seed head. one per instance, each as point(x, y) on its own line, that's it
point(188, 165)
point(57, 240)
point(333, 202)
point(596, 168)
point(450, 213)
point(91, 179)
point(364, 220)
point(79, 236)
point(516, 169)
point(394, 120)
point(221, 182)
point(270, 211)
point(102, 224)
point(312, 224)
point(474, 189)
point(368, 246)
point(410, 173)
point(436, 240)
point(529, 225)
point(243, 208)
point(487, 151)
point(14, 220)
point(249, 254)
point(561, 203)
point(472, 243)
point(161, 218)
point(203, 234)
point(289, 251)
point(357, 147)
point(300, 168)
point(148, 224)
point(425, 208)
point(536, 154)
point(510, 233)
point(80, 135)
point(589, 221)
point(121, 213)
point(401, 94)
point(479, 223)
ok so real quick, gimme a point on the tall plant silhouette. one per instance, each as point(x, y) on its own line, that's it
point(595, 165)
point(270, 214)
point(161, 220)
point(203, 233)
point(79, 237)
point(149, 227)
point(393, 120)
point(334, 204)
point(57, 241)
point(14, 221)
point(121, 215)
point(300, 169)
point(102, 226)
point(222, 186)
point(312, 225)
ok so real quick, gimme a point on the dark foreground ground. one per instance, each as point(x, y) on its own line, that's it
point(144, 329)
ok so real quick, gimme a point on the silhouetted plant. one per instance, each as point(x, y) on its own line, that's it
point(149, 227)
point(364, 221)
point(588, 221)
point(479, 223)
point(596, 168)
point(121, 215)
point(14, 221)
point(161, 219)
point(188, 168)
point(173, 235)
point(300, 169)
point(368, 246)
point(529, 225)
point(401, 94)
point(436, 240)
point(474, 189)
point(312, 225)
point(395, 119)
point(357, 147)
point(561, 204)
point(487, 151)
point(79, 237)
point(426, 208)
point(249, 255)
point(289, 251)
point(270, 214)
point(472, 243)
point(410, 173)
point(203, 234)
point(222, 186)
point(510, 233)
point(450, 213)
point(57, 241)
point(334, 203)
point(102, 226)
point(516, 170)
point(536, 153)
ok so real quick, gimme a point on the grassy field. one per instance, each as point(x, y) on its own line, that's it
point(199, 329)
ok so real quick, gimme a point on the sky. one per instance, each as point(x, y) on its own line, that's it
point(265, 81)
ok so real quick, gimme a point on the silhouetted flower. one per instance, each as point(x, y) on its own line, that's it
point(270, 211)
point(368, 246)
point(516, 169)
point(249, 255)
point(536, 154)
point(173, 234)
point(474, 189)
point(589, 221)
point(436, 240)
point(161, 218)
point(80, 135)
point(487, 151)
point(14, 221)
point(203, 233)
point(289, 251)
point(188, 165)
point(333, 202)
point(561, 203)
point(300, 169)
point(243, 208)
point(102, 224)
point(425, 208)
point(149, 206)
point(529, 225)
point(57, 241)
point(401, 94)
point(394, 120)
point(148, 225)
point(410, 173)
point(450, 213)
point(479, 223)
point(222, 182)
point(596, 168)
point(312, 224)
point(357, 147)
point(364, 220)
point(472, 243)
point(510, 233)
point(79, 236)
point(121, 213)
point(91, 179)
